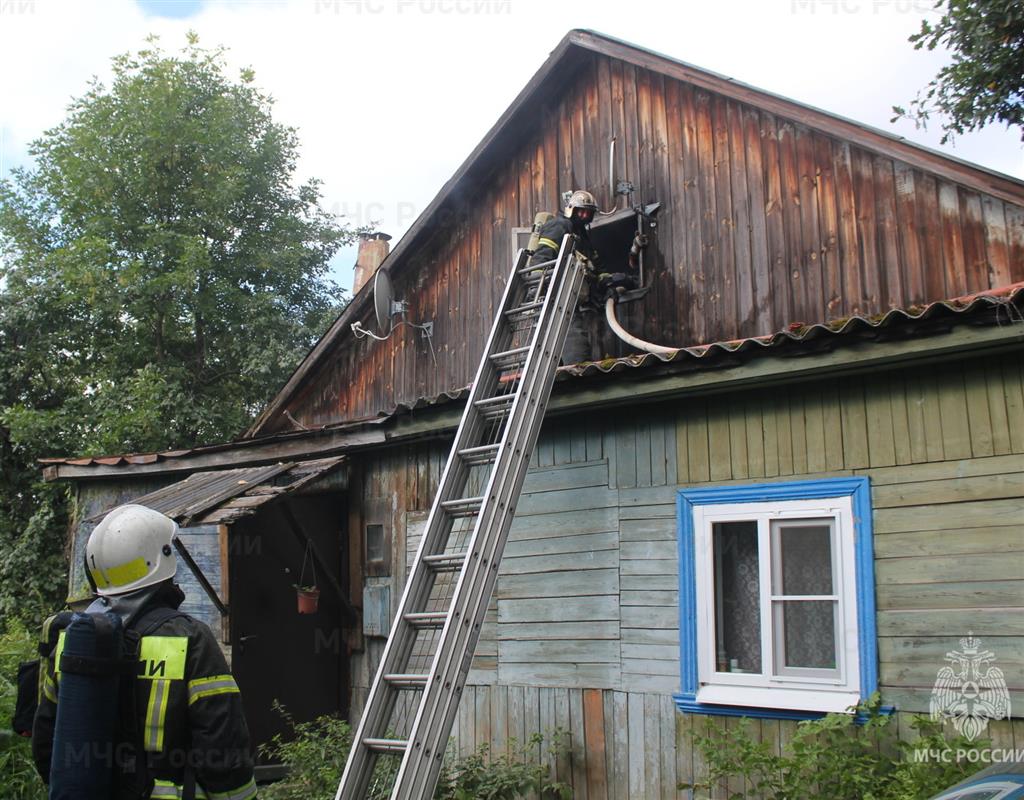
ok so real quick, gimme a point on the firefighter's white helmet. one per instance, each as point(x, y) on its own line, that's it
point(580, 199)
point(131, 549)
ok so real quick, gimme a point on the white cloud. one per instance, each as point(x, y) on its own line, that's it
point(390, 96)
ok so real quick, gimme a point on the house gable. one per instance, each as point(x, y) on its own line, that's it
point(775, 213)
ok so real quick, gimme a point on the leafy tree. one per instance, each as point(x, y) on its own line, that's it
point(162, 274)
point(985, 82)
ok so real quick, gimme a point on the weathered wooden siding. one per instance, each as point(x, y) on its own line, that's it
point(628, 744)
point(583, 632)
point(766, 222)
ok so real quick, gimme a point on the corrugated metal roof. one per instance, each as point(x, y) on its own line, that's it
point(797, 337)
point(1006, 299)
point(165, 455)
point(224, 496)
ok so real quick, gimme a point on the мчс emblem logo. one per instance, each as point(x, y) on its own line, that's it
point(970, 691)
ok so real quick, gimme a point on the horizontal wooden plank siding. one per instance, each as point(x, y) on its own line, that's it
point(583, 631)
point(943, 451)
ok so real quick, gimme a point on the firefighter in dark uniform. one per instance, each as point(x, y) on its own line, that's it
point(184, 733)
point(578, 214)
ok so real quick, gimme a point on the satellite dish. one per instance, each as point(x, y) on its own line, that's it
point(383, 300)
point(385, 307)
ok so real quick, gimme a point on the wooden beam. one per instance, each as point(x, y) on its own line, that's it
point(762, 371)
point(627, 387)
point(225, 581)
point(203, 582)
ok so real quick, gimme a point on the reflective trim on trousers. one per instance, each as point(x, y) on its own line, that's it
point(165, 789)
point(243, 792)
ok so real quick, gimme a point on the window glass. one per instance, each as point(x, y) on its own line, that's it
point(808, 635)
point(806, 555)
point(374, 542)
point(737, 597)
point(804, 628)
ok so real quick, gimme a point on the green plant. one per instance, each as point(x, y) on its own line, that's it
point(484, 776)
point(315, 754)
point(984, 82)
point(18, 777)
point(838, 757)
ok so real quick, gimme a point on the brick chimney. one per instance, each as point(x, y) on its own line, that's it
point(373, 249)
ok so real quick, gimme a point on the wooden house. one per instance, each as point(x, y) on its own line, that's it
point(815, 497)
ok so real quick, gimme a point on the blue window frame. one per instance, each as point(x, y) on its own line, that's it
point(711, 687)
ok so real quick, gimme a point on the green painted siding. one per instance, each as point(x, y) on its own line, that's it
point(583, 632)
point(944, 449)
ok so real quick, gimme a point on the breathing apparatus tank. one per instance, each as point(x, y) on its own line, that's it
point(538, 223)
point(91, 661)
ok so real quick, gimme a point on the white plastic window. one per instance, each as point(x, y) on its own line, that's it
point(777, 604)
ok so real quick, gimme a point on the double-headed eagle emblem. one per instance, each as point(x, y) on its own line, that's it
point(970, 691)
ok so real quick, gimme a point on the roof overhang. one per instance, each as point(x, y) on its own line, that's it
point(986, 323)
point(225, 496)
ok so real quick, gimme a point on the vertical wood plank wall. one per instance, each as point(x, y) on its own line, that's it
point(765, 222)
point(583, 632)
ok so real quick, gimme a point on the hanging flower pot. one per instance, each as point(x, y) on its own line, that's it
point(309, 599)
point(307, 593)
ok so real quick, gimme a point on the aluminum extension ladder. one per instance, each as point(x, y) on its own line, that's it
point(415, 695)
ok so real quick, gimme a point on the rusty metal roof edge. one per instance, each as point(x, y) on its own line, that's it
point(795, 333)
point(798, 332)
point(234, 444)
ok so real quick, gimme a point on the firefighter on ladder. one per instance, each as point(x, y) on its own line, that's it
point(600, 285)
point(578, 214)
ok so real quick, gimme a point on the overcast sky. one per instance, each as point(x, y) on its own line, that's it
point(390, 96)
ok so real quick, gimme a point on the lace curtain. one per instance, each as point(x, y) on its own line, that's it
point(803, 630)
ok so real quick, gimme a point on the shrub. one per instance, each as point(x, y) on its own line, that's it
point(484, 776)
point(18, 777)
point(315, 755)
point(838, 757)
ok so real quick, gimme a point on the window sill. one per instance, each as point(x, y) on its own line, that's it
point(734, 701)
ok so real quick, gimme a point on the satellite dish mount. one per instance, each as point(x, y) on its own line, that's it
point(386, 308)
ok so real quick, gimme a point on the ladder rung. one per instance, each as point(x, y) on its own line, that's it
point(493, 407)
point(463, 507)
point(427, 619)
point(508, 358)
point(406, 680)
point(484, 454)
point(543, 266)
point(445, 562)
point(386, 745)
point(523, 310)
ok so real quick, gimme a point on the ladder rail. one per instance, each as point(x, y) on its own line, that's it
point(380, 701)
point(452, 663)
